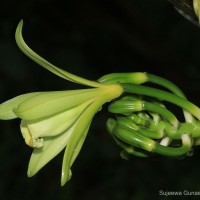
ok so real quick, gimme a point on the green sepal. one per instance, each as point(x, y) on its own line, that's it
point(7, 108)
point(77, 138)
point(50, 103)
point(47, 65)
point(66, 171)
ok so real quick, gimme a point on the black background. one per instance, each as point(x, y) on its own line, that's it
point(90, 39)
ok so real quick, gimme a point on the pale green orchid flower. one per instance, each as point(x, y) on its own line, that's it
point(52, 121)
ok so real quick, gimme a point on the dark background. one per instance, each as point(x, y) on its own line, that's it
point(90, 39)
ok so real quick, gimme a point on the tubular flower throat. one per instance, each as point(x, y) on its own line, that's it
point(140, 123)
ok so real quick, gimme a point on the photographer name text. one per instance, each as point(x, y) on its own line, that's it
point(178, 193)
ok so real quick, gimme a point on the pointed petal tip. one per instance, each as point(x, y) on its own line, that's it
point(29, 174)
point(19, 27)
point(65, 177)
point(21, 22)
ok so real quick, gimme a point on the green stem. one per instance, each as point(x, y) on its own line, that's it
point(192, 128)
point(172, 87)
point(140, 78)
point(175, 151)
point(129, 149)
point(151, 134)
point(165, 83)
point(128, 123)
point(124, 106)
point(163, 95)
point(132, 137)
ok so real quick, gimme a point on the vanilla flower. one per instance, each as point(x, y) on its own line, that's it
point(56, 120)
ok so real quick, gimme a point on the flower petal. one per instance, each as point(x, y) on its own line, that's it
point(6, 108)
point(66, 171)
point(41, 61)
point(77, 138)
point(56, 124)
point(52, 147)
point(51, 103)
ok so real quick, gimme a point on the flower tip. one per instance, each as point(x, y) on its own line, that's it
point(20, 24)
point(29, 174)
point(21, 21)
point(31, 171)
point(18, 33)
point(66, 177)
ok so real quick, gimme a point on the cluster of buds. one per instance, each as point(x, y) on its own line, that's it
point(142, 125)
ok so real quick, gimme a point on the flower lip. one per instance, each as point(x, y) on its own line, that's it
point(56, 124)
